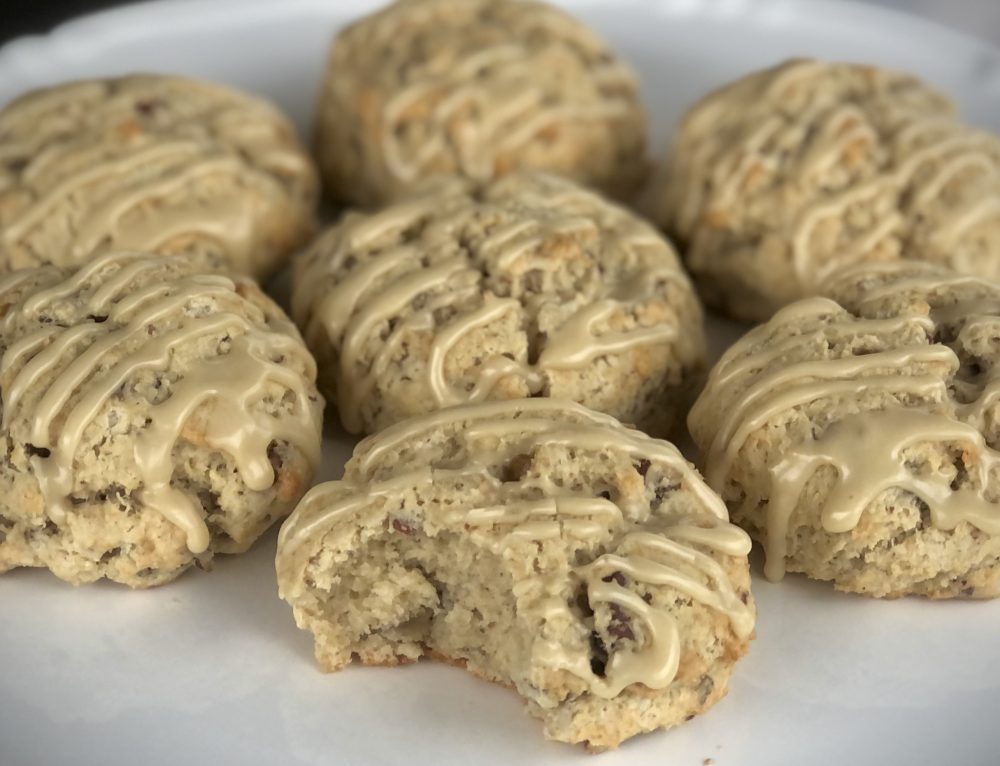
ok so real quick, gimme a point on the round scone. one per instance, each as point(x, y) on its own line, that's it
point(540, 545)
point(791, 173)
point(857, 438)
point(529, 285)
point(475, 88)
point(152, 416)
point(152, 163)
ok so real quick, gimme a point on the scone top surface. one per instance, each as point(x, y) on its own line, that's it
point(530, 285)
point(784, 176)
point(543, 545)
point(152, 163)
point(475, 88)
point(857, 438)
point(151, 414)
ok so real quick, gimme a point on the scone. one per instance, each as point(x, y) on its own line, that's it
point(475, 88)
point(529, 285)
point(151, 163)
point(152, 416)
point(791, 173)
point(856, 439)
point(538, 544)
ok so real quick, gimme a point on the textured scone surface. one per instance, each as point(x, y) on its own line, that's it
point(542, 546)
point(795, 171)
point(529, 285)
point(152, 416)
point(475, 88)
point(152, 163)
point(857, 439)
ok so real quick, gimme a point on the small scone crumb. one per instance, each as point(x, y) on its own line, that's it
point(538, 544)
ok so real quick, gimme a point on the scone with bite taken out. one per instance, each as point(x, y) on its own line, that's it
point(152, 417)
point(527, 286)
point(475, 88)
point(787, 175)
point(538, 544)
point(857, 438)
point(153, 163)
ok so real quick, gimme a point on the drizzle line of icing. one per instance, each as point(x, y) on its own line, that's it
point(511, 106)
point(504, 419)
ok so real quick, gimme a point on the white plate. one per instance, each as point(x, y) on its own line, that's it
point(211, 669)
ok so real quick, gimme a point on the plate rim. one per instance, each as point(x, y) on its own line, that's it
point(91, 31)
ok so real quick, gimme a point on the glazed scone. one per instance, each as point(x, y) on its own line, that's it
point(529, 285)
point(152, 416)
point(857, 438)
point(475, 88)
point(791, 173)
point(152, 163)
point(538, 544)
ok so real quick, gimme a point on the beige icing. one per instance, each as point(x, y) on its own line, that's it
point(667, 557)
point(783, 389)
point(73, 160)
point(662, 559)
point(178, 167)
point(490, 372)
point(922, 282)
point(494, 421)
point(734, 367)
point(953, 298)
point(885, 434)
point(14, 280)
point(546, 519)
point(351, 312)
point(497, 84)
point(73, 393)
